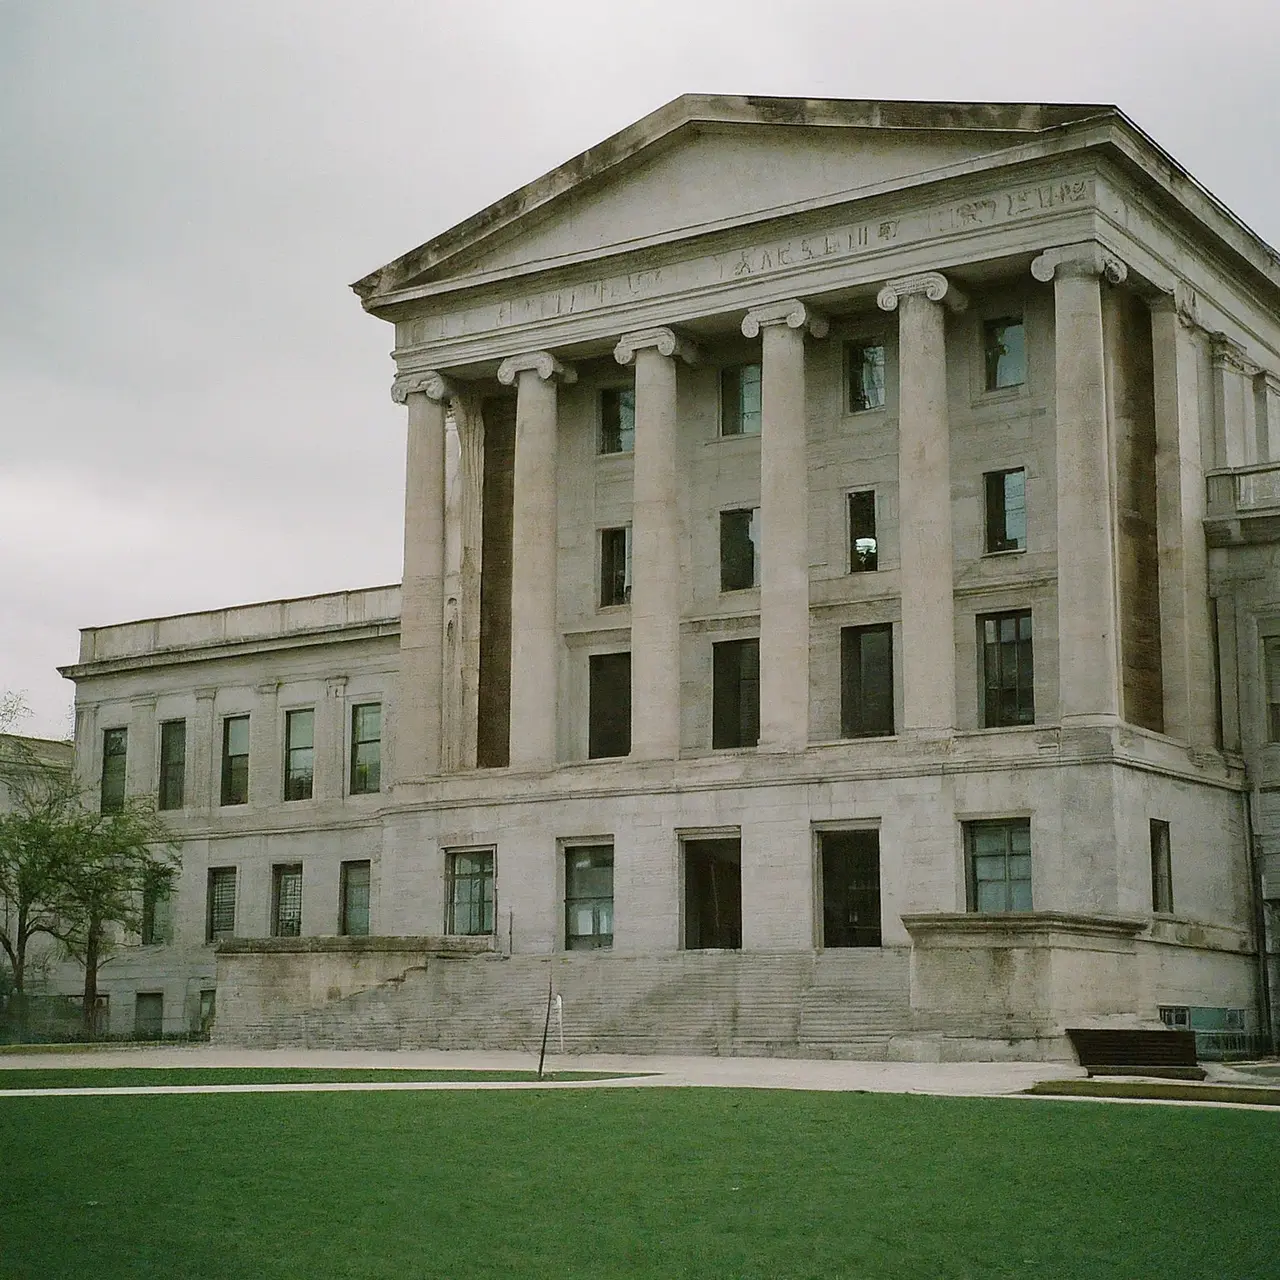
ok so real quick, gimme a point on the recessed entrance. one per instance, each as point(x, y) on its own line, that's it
point(713, 894)
point(850, 888)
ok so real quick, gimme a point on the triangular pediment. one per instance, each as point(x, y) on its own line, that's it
point(703, 163)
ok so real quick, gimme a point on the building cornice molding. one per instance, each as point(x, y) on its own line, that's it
point(667, 341)
point(932, 284)
point(1087, 258)
point(543, 363)
point(791, 312)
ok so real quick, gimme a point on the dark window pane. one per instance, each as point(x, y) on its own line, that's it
point(115, 746)
point(740, 400)
point(866, 376)
point(1005, 353)
point(735, 693)
point(609, 710)
point(221, 918)
point(866, 662)
point(353, 909)
point(739, 549)
point(850, 888)
point(1006, 510)
point(863, 544)
point(173, 763)
point(366, 748)
point(286, 914)
point(999, 856)
point(712, 894)
point(148, 1015)
point(470, 901)
point(157, 915)
point(1008, 674)
point(588, 897)
point(617, 420)
point(235, 760)
point(615, 567)
point(299, 754)
point(1161, 869)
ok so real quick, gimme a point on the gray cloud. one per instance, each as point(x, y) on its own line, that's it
point(193, 408)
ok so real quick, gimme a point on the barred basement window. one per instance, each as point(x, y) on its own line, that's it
point(864, 371)
point(1161, 869)
point(286, 900)
point(740, 403)
point(588, 897)
point(299, 754)
point(220, 921)
point(999, 856)
point(469, 889)
point(1006, 510)
point(148, 1015)
point(1004, 352)
point(173, 763)
point(115, 746)
point(235, 760)
point(353, 907)
point(366, 748)
point(1008, 676)
point(617, 420)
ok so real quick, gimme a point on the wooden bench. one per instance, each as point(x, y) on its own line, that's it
point(1116, 1051)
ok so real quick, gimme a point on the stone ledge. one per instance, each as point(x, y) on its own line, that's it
point(1018, 928)
point(423, 946)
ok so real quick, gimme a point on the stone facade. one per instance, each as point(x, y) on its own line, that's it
point(952, 377)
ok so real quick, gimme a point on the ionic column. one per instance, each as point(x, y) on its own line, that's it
point(1087, 625)
point(1186, 641)
point(416, 716)
point(655, 536)
point(784, 522)
point(534, 634)
point(924, 499)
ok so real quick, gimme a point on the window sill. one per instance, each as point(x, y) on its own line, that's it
point(1009, 551)
point(627, 454)
point(862, 413)
point(1002, 394)
point(719, 438)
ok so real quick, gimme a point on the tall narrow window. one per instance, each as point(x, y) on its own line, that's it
point(863, 544)
point(1006, 510)
point(1272, 676)
point(740, 400)
point(617, 420)
point(999, 865)
point(286, 900)
point(864, 368)
point(866, 681)
point(713, 894)
point(739, 549)
point(1008, 677)
point(469, 889)
point(353, 904)
point(220, 920)
point(366, 748)
point(157, 915)
point(1004, 352)
point(609, 709)
point(615, 566)
point(299, 753)
point(173, 764)
point(115, 746)
point(588, 897)
point(850, 888)
point(735, 693)
point(235, 760)
point(1161, 869)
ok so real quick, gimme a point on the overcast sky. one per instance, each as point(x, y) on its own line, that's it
point(194, 410)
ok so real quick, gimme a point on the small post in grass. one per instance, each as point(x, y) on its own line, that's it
point(546, 1026)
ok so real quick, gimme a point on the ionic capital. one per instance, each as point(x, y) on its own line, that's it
point(1088, 258)
point(933, 284)
point(667, 341)
point(791, 312)
point(434, 385)
point(543, 363)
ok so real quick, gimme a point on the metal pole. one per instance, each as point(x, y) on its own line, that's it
point(546, 1026)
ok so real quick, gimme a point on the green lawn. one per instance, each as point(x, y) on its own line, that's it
point(115, 1077)
point(670, 1183)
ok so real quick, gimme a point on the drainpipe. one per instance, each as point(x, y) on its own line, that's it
point(1259, 926)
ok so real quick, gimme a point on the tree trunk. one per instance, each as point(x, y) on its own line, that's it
point(18, 1002)
point(91, 978)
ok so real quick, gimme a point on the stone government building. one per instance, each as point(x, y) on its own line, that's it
point(841, 615)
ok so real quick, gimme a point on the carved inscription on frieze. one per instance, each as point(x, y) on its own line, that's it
point(851, 240)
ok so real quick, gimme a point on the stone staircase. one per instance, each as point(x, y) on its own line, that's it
point(831, 1004)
